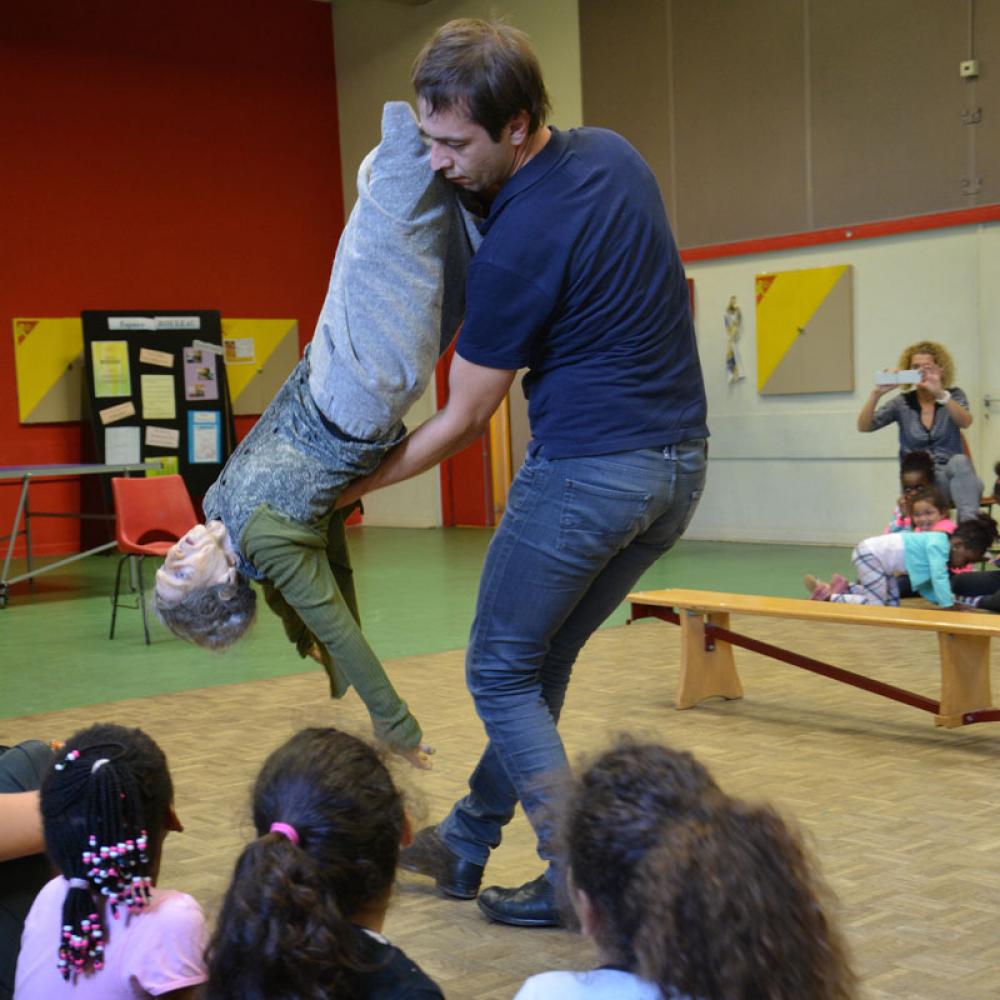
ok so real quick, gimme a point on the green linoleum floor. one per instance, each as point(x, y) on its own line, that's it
point(417, 590)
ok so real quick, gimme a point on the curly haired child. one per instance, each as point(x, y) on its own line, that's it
point(916, 471)
point(688, 893)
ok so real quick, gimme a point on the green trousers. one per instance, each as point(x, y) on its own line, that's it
point(339, 557)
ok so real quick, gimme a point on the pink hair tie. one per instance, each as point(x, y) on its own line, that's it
point(286, 830)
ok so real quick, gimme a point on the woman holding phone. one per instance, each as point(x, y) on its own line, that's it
point(931, 415)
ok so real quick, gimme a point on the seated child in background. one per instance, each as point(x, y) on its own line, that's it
point(929, 510)
point(688, 893)
point(924, 556)
point(101, 929)
point(304, 912)
point(916, 471)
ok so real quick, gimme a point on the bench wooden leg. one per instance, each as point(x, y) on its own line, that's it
point(965, 677)
point(705, 673)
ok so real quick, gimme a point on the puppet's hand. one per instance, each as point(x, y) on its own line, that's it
point(418, 756)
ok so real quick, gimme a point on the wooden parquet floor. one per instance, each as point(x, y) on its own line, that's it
point(904, 817)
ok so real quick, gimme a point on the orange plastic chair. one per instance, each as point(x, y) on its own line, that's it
point(152, 515)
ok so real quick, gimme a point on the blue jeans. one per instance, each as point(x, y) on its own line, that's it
point(958, 481)
point(576, 536)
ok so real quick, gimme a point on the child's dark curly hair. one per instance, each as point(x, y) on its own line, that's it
point(918, 461)
point(699, 893)
point(976, 533)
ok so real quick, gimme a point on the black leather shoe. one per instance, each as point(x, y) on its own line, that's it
point(428, 855)
point(530, 905)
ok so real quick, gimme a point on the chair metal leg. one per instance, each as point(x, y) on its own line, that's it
point(142, 601)
point(114, 600)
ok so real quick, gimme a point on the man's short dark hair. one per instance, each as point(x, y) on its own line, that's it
point(484, 68)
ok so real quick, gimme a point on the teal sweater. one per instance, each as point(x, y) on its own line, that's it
point(926, 554)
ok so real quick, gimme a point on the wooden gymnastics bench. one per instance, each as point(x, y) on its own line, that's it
point(708, 669)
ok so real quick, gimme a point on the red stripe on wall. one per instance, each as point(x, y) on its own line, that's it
point(844, 234)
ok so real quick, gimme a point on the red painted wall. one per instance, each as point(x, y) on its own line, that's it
point(466, 478)
point(168, 155)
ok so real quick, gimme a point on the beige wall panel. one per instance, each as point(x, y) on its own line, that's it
point(888, 139)
point(625, 62)
point(985, 93)
point(822, 358)
point(738, 119)
point(766, 117)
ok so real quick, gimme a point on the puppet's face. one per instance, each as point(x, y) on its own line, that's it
point(202, 558)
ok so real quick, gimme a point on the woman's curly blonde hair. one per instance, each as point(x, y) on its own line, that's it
point(940, 355)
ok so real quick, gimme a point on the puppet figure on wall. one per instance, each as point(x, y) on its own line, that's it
point(734, 324)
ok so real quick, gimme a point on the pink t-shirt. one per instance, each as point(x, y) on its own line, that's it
point(150, 954)
point(946, 524)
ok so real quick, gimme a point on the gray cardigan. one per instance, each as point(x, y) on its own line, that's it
point(397, 291)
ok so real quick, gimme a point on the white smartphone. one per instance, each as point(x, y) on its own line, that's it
point(911, 376)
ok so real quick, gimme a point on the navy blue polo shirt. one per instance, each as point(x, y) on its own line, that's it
point(578, 279)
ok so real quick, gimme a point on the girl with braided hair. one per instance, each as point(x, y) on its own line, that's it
point(101, 928)
point(688, 893)
point(303, 916)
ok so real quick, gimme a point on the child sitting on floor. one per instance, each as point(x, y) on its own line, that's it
point(688, 893)
point(916, 471)
point(101, 928)
point(924, 556)
point(929, 510)
point(303, 915)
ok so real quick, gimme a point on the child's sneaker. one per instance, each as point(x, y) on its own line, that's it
point(839, 584)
